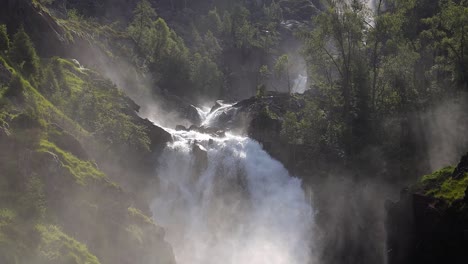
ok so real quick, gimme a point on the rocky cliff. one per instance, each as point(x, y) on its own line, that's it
point(429, 224)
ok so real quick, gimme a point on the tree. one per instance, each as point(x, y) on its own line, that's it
point(24, 55)
point(213, 22)
point(449, 33)
point(143, 17)
point(15, 88)
point(211, 46)
point(282, 66)
point(337, 51)
point(160, 33)
point(4, 39)
point(243, 32)
point(205, 76)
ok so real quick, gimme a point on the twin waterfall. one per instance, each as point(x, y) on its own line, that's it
point(224, 200)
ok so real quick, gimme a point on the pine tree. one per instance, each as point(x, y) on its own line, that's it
point(23, 53)
point(143, 17)
point(4, 40)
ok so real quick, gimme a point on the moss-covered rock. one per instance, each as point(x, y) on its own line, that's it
point(57, 247)
point(443, 185)
point(429, 223)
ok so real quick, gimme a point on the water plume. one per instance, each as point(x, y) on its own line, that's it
point(225, 200)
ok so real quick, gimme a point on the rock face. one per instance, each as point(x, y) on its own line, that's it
point(462, 167)
point(424, 229)
point(67, 142)
point(79, 198)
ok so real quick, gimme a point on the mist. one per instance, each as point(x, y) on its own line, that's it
point(231, 204)
point(444, 131)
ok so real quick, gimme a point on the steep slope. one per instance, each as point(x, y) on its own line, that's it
point(57, 205)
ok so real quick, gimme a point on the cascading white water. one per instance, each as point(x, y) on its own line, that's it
point(300, 84)
point(233, 205)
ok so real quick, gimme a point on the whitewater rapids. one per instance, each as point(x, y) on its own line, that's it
point(233, 205)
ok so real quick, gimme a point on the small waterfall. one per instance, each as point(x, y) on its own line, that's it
point(300, 84)
point(225, 200)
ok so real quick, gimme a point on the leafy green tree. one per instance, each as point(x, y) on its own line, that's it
point(172, 68)
point(160, 34)
point(337, 53)
point(24, 54)
point(206, 77)
point(143, 17)
point(211, 46)
point(263, 75)
point(449, 33)
point(213, 22)
point(15, 88)
point(4, 39)
point(243, 32)
point(227, 23)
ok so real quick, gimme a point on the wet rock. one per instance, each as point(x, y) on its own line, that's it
point(216, 106)
point(213, 131)
point(181, 128)
point(184, 109)
point(461, 168)
point(158, 136)
point(425, 229)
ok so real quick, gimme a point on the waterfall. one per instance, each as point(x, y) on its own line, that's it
point(225, 200)
point(300, 84)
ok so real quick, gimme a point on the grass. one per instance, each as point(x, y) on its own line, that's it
point(58, 247)
point(137, 214)
point(82, 171)
point(442, 185)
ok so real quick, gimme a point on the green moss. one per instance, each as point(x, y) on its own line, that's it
point(83, 171)
point(442, 185)
point(58, 247)
point(138, 215)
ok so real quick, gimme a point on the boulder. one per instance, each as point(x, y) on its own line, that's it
point(157, 135)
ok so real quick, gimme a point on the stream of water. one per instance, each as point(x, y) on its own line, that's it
point(225, 200)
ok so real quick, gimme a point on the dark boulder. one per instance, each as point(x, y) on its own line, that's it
point(157, 135)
